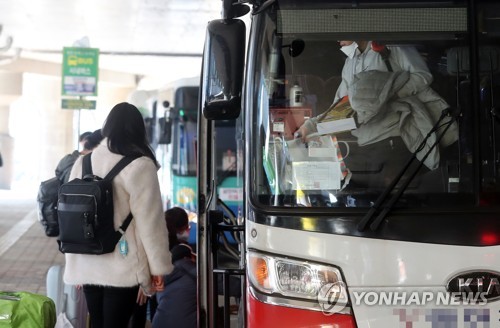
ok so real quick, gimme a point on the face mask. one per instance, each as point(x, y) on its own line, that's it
point(183, 236)
point(350, 50)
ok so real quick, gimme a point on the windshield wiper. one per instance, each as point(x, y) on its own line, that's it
point(382, 198)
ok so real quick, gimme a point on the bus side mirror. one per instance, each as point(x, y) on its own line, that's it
point(165, 124)
point(223, 63)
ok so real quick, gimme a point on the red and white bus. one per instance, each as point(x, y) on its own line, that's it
point(388, 218)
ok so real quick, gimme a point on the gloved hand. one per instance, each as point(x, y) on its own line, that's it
point(305, 129)
point(158, 283)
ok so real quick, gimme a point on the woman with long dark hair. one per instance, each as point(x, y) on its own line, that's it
point(112, 283)
point(125, 132)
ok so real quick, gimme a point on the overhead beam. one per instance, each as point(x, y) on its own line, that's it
point(123, 53)
point(25, 65)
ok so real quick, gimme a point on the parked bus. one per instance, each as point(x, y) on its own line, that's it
point(176, 150)
point(177, 142)
point(337, 228)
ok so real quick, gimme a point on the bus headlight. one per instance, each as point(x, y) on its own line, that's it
point(293, 278)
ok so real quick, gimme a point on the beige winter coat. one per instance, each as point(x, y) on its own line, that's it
point(136, 189)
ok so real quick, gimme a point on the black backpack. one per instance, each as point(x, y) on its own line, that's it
point(85, 212)
point(48, 193)
point(47, 206)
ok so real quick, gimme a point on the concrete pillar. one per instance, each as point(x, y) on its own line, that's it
point(43, 132)
point(10, 90)
point(35, 133)
point(6, 150)
point(57, 129)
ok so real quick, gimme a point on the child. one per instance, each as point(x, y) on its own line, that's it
point(178, 226)
point(177, 302)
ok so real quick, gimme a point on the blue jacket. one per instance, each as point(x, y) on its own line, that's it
point(177, 302)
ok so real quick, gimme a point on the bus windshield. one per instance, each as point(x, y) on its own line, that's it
point(352, 103)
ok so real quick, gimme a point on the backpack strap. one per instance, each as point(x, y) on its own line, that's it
point(384, 52)
point(86, 165)
point(114, 171)
point(118, 167)
point(87, 169)
point(121, 230)
point(385, 57)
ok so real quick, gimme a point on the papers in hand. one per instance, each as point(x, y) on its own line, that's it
point(338, 118)
point(329, 127)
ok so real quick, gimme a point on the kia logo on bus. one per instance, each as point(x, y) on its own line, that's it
point(486, 282)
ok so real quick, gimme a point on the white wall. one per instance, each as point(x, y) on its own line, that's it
point(42, 133)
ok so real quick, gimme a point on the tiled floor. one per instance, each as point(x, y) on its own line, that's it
point(26, 253)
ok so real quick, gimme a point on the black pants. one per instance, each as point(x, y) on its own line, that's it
point(140, 315)
point(110, 307)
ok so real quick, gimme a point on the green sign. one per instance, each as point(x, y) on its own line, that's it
point(78, 104)
point(80, 71)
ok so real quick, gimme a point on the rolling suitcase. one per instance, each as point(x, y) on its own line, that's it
point(69, 300)
point(26, 310)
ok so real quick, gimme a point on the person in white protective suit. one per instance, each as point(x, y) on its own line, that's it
point(389, 90)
